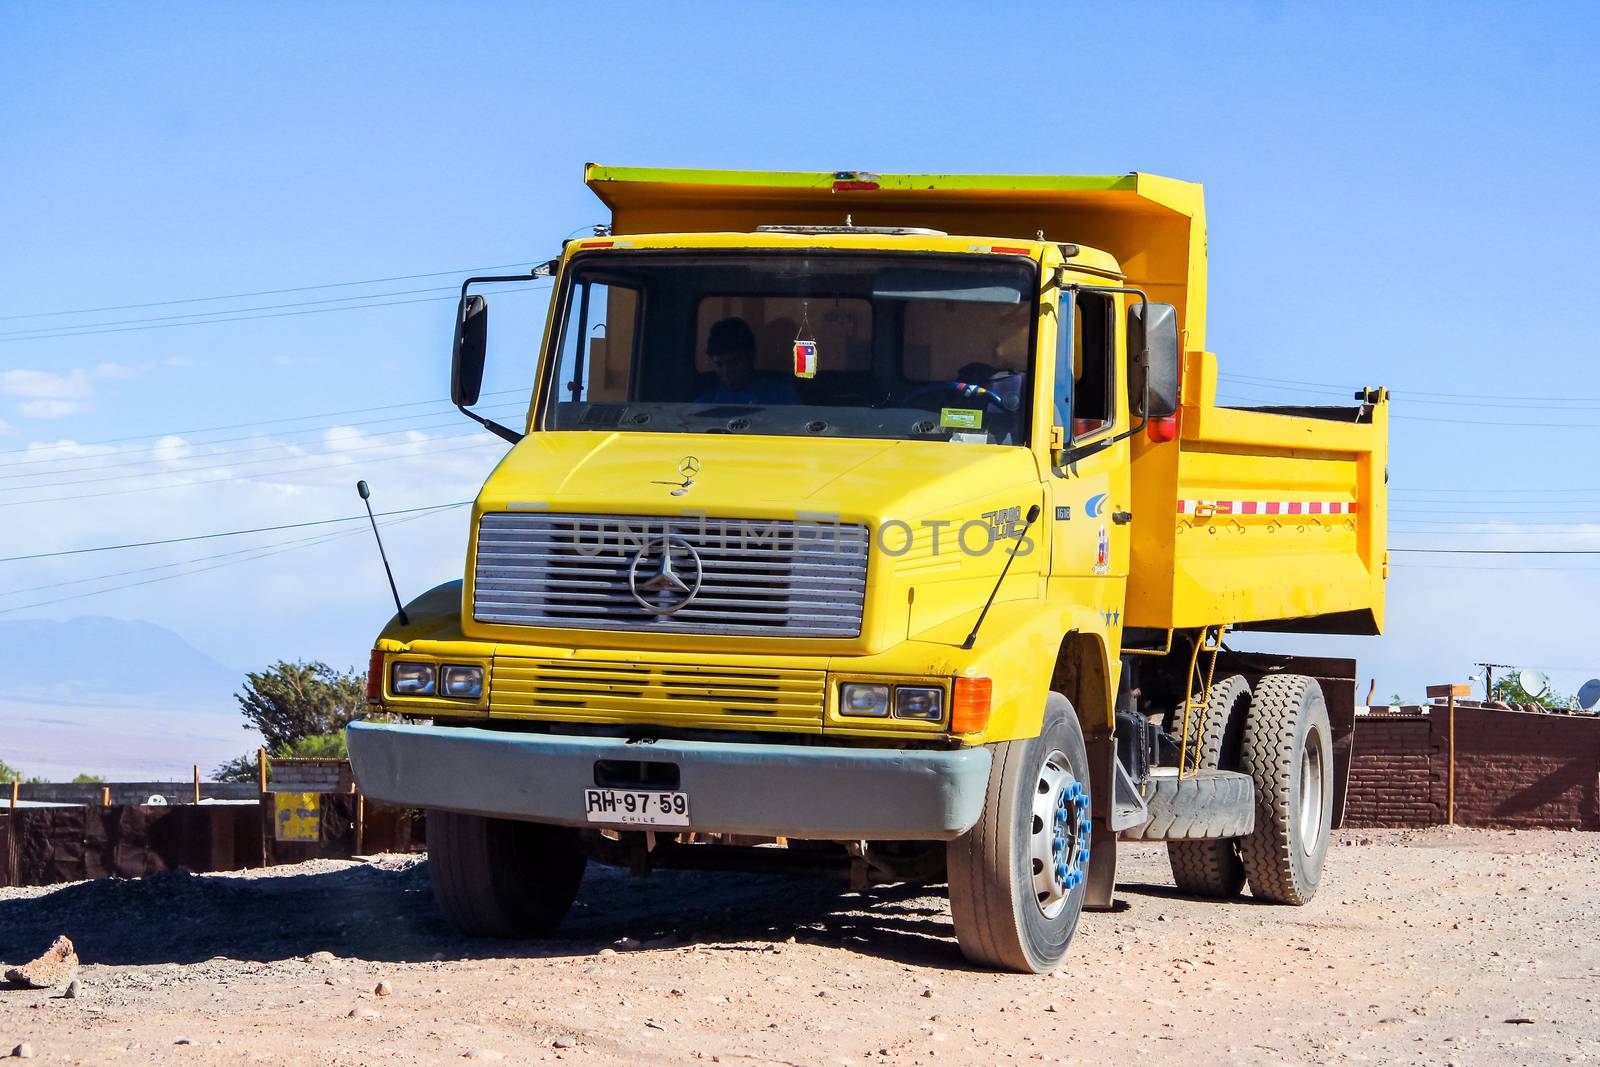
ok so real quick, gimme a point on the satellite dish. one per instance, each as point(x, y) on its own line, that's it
point(157, 801)
point(1589, 694)
point(1533, 682)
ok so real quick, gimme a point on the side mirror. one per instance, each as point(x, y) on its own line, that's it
point(1154, 381)
point(471, 346)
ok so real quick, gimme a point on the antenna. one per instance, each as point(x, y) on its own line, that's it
point(1033, 514)
point(1589, 694)
point(366, 494)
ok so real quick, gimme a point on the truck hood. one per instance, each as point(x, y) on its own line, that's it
point(755, 477)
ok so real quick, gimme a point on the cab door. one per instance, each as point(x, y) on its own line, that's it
point(1089, 485)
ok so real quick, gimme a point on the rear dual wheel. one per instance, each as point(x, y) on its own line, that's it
point(1018, 877)
point(1213, 868)
point(1288, 750)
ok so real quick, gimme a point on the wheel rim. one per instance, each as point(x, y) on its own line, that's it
point(1059, 835)
point(1311, 793)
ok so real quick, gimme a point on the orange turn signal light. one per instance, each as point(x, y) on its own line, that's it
point(375, 677)
point(969, 704)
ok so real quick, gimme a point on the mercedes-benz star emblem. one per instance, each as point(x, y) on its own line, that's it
point(688, 468)
point(668, 567)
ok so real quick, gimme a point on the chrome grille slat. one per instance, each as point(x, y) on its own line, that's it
point(758, 578)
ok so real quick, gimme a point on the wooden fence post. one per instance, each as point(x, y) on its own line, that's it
point(197, 783)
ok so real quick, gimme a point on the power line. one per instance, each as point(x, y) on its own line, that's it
point(230, 426)
point(1335, 386)
point(192, 463)
point(479, 443)
point(252, 318)
point(292, 542)
point(1268, 402)
point(229, 533)
point(1503, 551)
point(48, 331)
point(290, 546)
point(259, 292)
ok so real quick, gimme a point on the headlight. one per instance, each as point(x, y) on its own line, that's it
point(411, 680)
point(918, 702)
point(864, 700)
point(462, 683)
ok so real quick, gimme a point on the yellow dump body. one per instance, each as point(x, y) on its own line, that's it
point(1268, 518)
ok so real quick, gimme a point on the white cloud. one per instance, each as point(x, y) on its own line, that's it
point(6, 429)
point(51, 409)
point(44, 385)
point(316, 592)
point(48, 395)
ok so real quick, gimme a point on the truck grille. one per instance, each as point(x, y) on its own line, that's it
point(750, 577)
point(685, 694)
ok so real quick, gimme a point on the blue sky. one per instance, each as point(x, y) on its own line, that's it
point(1398, 195)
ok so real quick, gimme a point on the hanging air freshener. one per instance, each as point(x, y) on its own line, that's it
point(805, 346)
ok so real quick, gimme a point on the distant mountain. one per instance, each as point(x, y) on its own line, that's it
point(97, 659)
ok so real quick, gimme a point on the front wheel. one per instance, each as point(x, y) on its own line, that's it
point(1018, 877)
point(502, 877)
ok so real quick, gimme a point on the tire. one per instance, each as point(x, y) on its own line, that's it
point(1213, 868)
point(1203, 806)
point(1018, 877)
point(502, 877)
point(1288, 751)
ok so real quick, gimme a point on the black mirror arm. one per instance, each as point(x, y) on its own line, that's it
point(543, 270)
point(505, 433)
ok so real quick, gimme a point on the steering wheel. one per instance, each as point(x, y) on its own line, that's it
point(969, 391)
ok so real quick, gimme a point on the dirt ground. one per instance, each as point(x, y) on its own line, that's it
point(1473, 947)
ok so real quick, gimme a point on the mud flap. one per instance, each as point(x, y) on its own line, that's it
point(1111, 813)
point(1101, 885)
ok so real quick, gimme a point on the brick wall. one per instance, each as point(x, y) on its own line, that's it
point(1394, 773)
point(1513, 769)
point(311, 776)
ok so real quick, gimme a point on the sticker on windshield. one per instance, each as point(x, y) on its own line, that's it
point(805, 359)
point(961, 418)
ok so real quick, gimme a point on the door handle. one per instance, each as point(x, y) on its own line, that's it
point(1122, 518)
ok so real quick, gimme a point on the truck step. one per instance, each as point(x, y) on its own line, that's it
point(1200, 806)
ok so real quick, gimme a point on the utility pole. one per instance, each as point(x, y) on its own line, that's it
point(1488, 677)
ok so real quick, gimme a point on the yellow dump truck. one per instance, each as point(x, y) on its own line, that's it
point(886, 523)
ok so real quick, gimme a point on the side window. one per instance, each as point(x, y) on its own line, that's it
point(597, 344)
point(1093, 395)
point(1066, 347)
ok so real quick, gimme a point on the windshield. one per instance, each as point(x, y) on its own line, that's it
point(914, 347)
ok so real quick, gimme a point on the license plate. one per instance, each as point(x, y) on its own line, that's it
point(636, 807)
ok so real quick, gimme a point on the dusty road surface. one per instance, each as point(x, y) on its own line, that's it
point(1474, 947)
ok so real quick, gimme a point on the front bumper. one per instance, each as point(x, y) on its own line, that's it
point(766, 790)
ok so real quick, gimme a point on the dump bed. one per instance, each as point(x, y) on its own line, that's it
point(1266, 518)
point(1272, 518)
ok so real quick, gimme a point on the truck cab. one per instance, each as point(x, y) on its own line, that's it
point(877, 517)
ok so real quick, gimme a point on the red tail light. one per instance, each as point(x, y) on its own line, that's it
point(1163, 430)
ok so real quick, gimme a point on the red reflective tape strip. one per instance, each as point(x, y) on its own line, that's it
point(596, 244)
point(1268, 507)
point(1010, 250)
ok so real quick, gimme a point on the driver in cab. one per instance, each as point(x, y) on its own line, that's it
point(731, 348)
